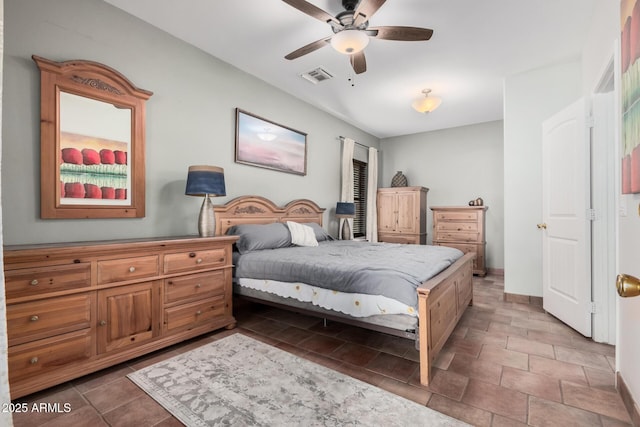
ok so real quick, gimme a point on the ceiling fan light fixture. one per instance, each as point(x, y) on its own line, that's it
point(349, 42)
point(427, 104)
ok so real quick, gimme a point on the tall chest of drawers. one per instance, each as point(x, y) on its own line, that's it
point(462, 227)
point(75, 308)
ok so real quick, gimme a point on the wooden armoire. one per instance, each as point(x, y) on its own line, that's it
point(402, 215)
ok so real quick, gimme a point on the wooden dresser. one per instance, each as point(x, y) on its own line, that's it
point(462, 227)
point(75, 308)
point(402, 215)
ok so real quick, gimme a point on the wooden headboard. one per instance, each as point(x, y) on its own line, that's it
point(258, 210)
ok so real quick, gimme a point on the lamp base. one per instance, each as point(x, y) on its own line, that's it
point(207, 220)
point(346, 230)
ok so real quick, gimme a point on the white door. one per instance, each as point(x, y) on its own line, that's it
point(565, 227)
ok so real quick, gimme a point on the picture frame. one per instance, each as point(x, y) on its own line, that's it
point(266, 144)
point(630, 95)
point(92, 142)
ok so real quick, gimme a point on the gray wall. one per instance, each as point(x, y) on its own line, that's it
point(457, 165)
point(530, 98)
point(190, 120)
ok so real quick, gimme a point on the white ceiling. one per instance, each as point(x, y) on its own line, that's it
point(476, 43)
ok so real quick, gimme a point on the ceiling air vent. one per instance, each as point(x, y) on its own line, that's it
point(316, 76)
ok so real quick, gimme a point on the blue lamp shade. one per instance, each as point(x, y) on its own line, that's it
point(345, 210)
point(205, 180)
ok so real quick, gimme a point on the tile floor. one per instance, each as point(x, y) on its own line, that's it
point(506, 364)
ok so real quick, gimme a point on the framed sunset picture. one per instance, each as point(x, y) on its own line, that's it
point(263, 143)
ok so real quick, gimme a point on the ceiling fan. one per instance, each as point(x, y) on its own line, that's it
point(351, 30)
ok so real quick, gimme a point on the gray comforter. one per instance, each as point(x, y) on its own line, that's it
point(392, 270)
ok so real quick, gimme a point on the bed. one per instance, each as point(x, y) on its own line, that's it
point(427, 313)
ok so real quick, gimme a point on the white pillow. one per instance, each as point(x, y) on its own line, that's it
point(302, 235)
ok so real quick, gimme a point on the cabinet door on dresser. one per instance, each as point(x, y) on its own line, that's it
point(402, 214)
point(128, 315)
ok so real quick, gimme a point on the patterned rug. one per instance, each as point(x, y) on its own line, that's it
point(239, 381)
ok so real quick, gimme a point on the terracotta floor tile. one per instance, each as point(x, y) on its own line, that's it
point(60, 394)
point(482, 337)
point(474, 323)
point(463, 346)
point(509, 330)
point(557, 369)
point(321, 344)
point(360, 373)
point(610, 422)
point(499, 400)
point(100, 378)
point(500, 421)
point(473, 368)
point(550, 338)
point(469, 414)
point(545, 413)
point(354, 354)
point(267, 327)
point(82, 417)
point(448, 383)
point(444, 359)
point(531, 347)
point(604, 379)
point(595, 400)
point(417, 394)
point(532, 324)
point(139, 412)
point(580, 357)
point(504, 357)
point(393, 366)
point(291, 334)
point(586, 344)
point(534, 384)
point(114, 394)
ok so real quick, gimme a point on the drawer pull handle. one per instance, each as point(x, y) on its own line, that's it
point(199, 260)
point(198, 285)
point(34, 282)
point(198, 313)
point(103, 323)
point(35, 318)
point(192, 255)
point(33, 360)
point(132, 269)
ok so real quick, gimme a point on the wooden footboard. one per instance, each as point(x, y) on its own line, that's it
point(441, 303)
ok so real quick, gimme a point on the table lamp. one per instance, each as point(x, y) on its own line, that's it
point(346, 210)
point(207, 181)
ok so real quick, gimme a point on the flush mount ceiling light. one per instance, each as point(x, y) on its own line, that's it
point(349, 41)
point(427, 104)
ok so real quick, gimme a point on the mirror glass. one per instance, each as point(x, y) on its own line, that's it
point(95, 147)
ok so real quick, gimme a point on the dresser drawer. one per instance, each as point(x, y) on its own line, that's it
point(404, 239)
point(457, 236)
point(36, 281)
point(457, 226)
point(186, 315)
point(188, 261)
point(118, 270)
point(456, 216)
point(47, 355)
point(194, 286)
point(40, 319)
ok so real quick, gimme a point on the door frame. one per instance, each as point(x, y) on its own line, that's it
point(605, 202)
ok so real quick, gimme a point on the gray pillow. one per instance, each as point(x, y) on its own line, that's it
point(255, 237)
point(321, 234)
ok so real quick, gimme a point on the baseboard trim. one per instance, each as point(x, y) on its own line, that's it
point(496, 271)
point(522, 299)
point(627, 399)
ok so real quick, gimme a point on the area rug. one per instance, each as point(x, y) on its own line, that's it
point(239, 381)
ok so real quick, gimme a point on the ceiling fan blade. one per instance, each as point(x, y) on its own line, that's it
point(365, 11)
point(358, 62)
point(402, 33)
point(313, 11)
point(313, 46)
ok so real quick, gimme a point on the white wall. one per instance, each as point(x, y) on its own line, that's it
point(530, 98)
point(457, 165)
point(190, 120)
point(603, 39)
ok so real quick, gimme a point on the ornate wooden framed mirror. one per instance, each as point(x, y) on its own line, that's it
point(92, 141)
